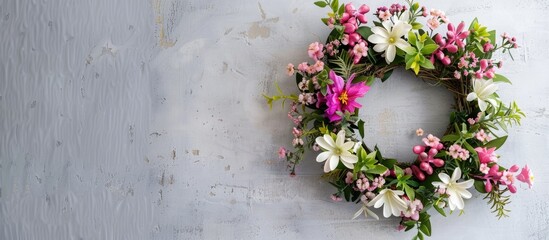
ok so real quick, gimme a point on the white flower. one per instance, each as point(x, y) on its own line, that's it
point(404, 17)
point(455, 190)
point(335, 151)
point(389, 37)
point(482, 91)
point(392, 203)
point(364, 209)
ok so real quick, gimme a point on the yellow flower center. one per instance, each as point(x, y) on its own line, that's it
point(392, 40)
point(343, 97)
point(338, 151)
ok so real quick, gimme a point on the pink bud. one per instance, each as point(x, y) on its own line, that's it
point(424, 166)
point(463, 35)
point(345, 17)
point(439, 40)
point(452, 48)
point(349, 27)
point(432, 152)
point(478, 74)
point(438, 162)
point(487, 47)
point(362, 18)
point(451, 27)
point(418, 149)
point(483, 64)
point(488, 186)
point(450, 35)
point(512, 188)
point(439, 146)
point(446, 61)
point(489, 74)
point(354, 37)
point(349, 8)
point(423, 156)
point(408, 171)
point(363, 9)
point(440, 55)
point(419, 175)
point(460, 26)
point(514, 168)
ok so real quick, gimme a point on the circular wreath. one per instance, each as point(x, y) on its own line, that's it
point(325, 112)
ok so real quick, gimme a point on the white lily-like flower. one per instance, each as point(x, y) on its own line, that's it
point(335, 151)
point(389, 37)
point(391, 201)
point(456, 191)
point(404, 17)
point(482, 92)
point(364, 209)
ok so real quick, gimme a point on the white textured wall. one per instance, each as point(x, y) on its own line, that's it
point(144, 120)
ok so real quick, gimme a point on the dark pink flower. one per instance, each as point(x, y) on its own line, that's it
point(342, 96)
point(486, 155)
point(526, 177)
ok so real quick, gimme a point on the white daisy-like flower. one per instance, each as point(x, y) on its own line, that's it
point(335, 151)
point(389, 37)
point(391, 201)
point(456, 191)
point(482, 92)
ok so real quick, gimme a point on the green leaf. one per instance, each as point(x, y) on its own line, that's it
point(398, 170)
point(410, 192)
point(428, 49)
point(425, 227)
point(335, 5)
point(364, 31)
point(479, 186)
point(427, 64)
point(439, 210)
point(501, 78)
point(492, 36)
point(321, 4)
point(389, 163)
point(420, 235)
point(417, 25)
point(378, 169)
point(469, 148)
point(450, 138)
point(412, 38)
point(360, 124)
point(497, 143)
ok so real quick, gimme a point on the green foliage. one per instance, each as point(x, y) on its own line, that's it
point(498, 201)
point(343, 64)
point(421, 45)
point(274, 98)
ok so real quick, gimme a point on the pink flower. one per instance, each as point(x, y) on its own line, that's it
point(433, 23)
point(486, 155)
point(303, 67)
point(454, 151)
point(413, 209)
point(342, 96)
point(319, 65)
point(282, 152)
point(471, 121)
point(431, 141)
point(484, 168)
point(526, 177)
point(419, 132)
point(315, 51)
point(384, 15)
point(336, 198)
point(360, 50)
point(481, 135)
point(290, 69)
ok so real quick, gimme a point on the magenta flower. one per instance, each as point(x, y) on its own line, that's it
point(342, 96)
point(526, 177)
point(486, 155)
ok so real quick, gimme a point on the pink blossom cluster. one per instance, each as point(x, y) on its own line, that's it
point(508, 41)
point(426, 155)
point(384, 13)
point(468, 62)
point(297, 136)
point(453, 41)
point(437, 17)
point(412, 210)
point(351, 20)
point(304, 84)
point(482, 136)
point(362, 184)
point(294, 115)
point(331, 47)
point(457, 152)
point(494, 175)
point(306, 98)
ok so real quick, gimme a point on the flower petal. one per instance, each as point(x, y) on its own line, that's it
point(390, 53)
point(340, 138)
point(323, 156)
point(400, 43)
point(387, 211)
point(387, 25)
point(323, 144)
point(471, 96)
point(349, 159)
point(327, 166)
point(466, 184)
point(482, 105)
point(379, 31)
point(375, 38)
point(330, 141)
point(348, 165)
point(369, 212)
point(347, 146)
point(444, 178)
point(456, 175)
point(334, 160)
point(381, 47)
point(401, 28)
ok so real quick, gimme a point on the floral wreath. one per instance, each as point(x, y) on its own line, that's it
point(325, 112)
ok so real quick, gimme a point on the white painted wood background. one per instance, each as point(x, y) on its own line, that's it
point(144, 120)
